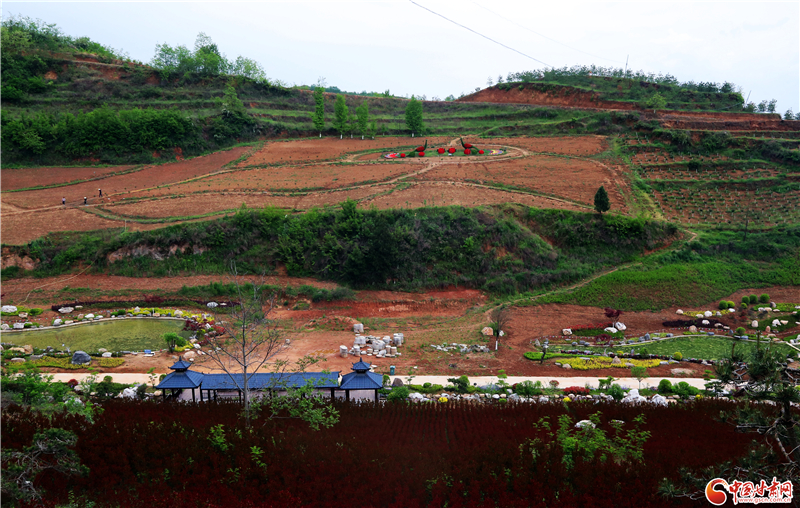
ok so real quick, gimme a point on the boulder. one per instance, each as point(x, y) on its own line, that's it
point(178, 313)
point(584, 424)
point(18, 326)
point(487, 331)
point(610, 329)
point(776, 322)
point(706, 322)
point(616, 361)
point(128, 393)
point(80, 358)
point(397, 382)
point(4, 327)
point(621, 327)
point(106, 355)
point(89, 316)
point(679, 312)
point(692, 329)
point(65, 310)
point(754, 324)
point(566, 331)
point(566, 366)
point(18, 360)
point(102, 350)
point(659, 400)
point(358, 328)
point(708, 313)
point(189, 355)
point(415, 396)
point(8, 308)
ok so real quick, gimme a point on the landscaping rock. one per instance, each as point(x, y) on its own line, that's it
point(692, 329)
point(706, 322)
point(708, 313)
point(566, 366)
point(487, 331)
point(128, 393)
point(65, 310)
point(397, 382)
point(80, 358)
point(754, 324)
point(106, 355)
point(18, 326)
point(616, 361)
point(566, 331)
point(102, 350)
point(8, 308)
point(611, 329)
point(584, 424)
point(89, 316)
point(4, 327)
point(646, 336)
point(659, 400)
point(679, 311)
point(621, 327)
point(358, 328)
point(18, 360)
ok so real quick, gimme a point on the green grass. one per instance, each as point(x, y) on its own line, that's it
point(121, 335)
point(706, 348)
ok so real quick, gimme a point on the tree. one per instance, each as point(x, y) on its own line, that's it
point(341, 115)
point(250, 338)
point(789, 115)
point(500, 317)
point(319, 109)
point(640, 373)
point(172, 339)
point(362, 118)
point(51, 449)
point(601, 202)
point(657, 101)
point(414, 117)
point(231, 104)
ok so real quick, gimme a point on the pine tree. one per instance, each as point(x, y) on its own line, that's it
point(319, 110)
point(414, 116)
point(341, 115)
point(601, 202)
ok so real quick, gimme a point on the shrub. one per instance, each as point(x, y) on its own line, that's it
point(745, 299)
point(461, 384)
point(764, 298)
point(528, 388)
point(665, 387)
point(743, 305)
point(753, 299)
point(398, 393)
point(576, 390)
point(723, 305)
point(740, 331)
point(677, 355)
point(731, 305)
point(685, 390)
point(616, 392)
point(109, 363)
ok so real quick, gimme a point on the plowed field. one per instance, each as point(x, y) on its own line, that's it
point(23, 178)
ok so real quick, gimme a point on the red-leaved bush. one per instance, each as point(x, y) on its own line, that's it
point(440, 150)
point(480, 152)
point(466, 151)
point(576, 390)
point(422, 154)
point(451, 150)
point(160, 455)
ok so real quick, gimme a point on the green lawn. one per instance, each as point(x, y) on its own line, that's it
point(117, 335)
point(706, 348)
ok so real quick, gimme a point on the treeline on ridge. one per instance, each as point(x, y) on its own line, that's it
point(501, 250)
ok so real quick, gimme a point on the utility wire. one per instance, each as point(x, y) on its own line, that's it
point(477, 33)
point(540, 35)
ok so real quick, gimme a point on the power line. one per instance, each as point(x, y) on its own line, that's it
point(541, 35)
point(477, 33)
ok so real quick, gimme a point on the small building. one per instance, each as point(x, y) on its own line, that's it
point(361, 382)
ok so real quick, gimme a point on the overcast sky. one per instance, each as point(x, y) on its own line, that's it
point(399, 46)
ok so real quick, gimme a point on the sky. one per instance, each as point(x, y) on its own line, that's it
point(398, 45)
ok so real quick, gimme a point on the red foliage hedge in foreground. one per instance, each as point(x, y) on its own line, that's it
point(397, 455)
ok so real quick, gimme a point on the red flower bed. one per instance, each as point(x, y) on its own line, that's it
point(597, 326)
point(576, 390)
point(480, 152)
point(466, 151)
point(402, 155)
point(422, 154)
point(451, 150)
point(440, 150)
point(159, 455)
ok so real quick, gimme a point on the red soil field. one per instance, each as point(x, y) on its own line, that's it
point(328, 148)
point(570, 178)
point(577, 145)
point(19, 229)
point(21, 178)
point(327, 176)
point(448, 194)
point(210, 202)
point(147, 177)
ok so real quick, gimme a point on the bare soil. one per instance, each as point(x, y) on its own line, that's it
point(22, 178)
point(319, 149)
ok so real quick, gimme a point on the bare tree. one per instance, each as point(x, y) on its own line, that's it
point(251, 337)
point(500, 317)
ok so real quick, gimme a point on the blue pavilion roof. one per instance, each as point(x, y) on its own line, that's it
point(361, 365)
point(260, 381)
point(361, 381)
point(181, 365)
point(181, 379)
